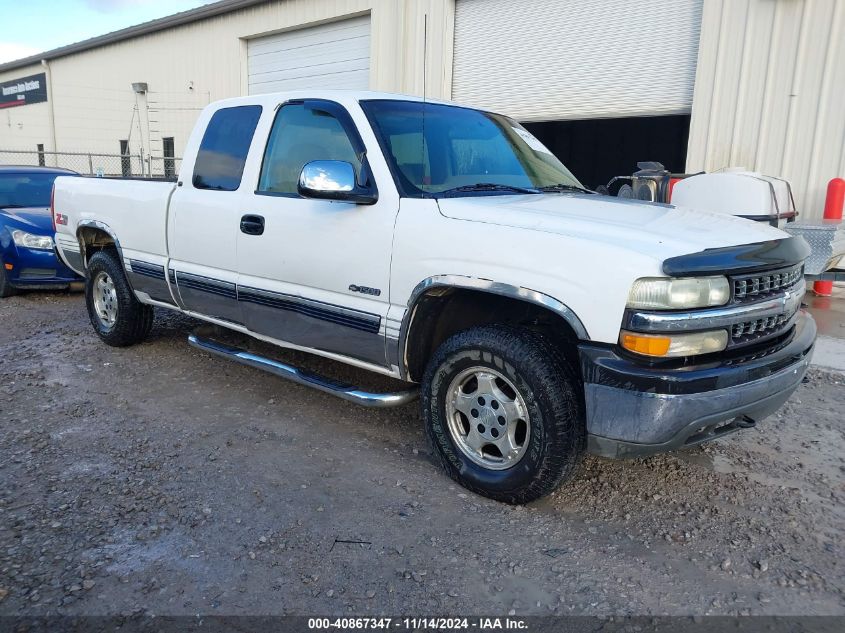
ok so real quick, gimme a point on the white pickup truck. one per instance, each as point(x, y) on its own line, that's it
point(447, 247)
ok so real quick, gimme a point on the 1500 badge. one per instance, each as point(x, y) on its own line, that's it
point(365, 290)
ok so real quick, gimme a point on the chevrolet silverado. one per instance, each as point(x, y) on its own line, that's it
point(447, 247)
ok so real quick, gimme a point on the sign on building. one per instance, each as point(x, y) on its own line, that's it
point(23, 91)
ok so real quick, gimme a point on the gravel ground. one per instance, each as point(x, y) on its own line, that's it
point(160, 480)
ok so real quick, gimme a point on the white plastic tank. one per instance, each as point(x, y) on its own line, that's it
point(736, 191)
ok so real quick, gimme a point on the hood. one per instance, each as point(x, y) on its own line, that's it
point(33, 219)
point(651, 229)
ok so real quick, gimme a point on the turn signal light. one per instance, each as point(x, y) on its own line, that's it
point(648, 345)
point(674, 345)
point(9, 266)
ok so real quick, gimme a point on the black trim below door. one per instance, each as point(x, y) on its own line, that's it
point(313, 324)
point(149, 279)
point(307, 323)
point(319, 310)
point(209, 296)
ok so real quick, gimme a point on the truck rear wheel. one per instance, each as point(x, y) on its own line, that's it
point(116, 314)
point(503, 412)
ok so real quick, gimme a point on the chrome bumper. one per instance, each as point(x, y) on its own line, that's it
point(634, 410)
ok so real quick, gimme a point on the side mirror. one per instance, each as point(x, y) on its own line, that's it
point(333, 180)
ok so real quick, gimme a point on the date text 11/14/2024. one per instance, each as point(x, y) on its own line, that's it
point(417, 623)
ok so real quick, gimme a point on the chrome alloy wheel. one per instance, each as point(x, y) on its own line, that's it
point(487, 418)
point(105, 299)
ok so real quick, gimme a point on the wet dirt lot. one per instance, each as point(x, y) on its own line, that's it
point(160, 480)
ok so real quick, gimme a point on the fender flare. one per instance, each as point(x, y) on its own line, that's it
point(484, 285)
point(105, 228)
point(100, 226)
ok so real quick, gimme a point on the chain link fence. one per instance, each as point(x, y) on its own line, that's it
point(97, 164)
point(163, 166)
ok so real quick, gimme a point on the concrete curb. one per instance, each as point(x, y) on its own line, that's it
point(829, 353)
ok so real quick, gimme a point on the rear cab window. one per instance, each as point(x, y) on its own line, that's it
point(224, 148)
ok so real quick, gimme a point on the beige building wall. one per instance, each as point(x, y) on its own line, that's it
point(188, 66)
point(770, 93)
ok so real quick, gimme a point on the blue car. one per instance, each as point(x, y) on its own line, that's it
point(27, 253)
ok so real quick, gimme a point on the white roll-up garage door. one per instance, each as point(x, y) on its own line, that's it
point(542, 60)
point(333, 55)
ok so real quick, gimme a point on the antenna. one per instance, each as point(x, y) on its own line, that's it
point(425, 52)
point(425, 66)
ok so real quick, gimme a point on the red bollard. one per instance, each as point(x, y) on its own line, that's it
point(832, 211)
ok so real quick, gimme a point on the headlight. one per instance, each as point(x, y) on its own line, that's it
point(674, 345)
point(668, 293)
point(28, 240)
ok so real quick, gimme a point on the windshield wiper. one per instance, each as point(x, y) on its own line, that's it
point(13, 206)
point(487, 186)
point(563, 187)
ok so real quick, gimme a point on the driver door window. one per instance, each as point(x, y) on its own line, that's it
point(300, 135)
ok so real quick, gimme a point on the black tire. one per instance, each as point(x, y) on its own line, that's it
point(550, 389)
point(6, 289)
point(134, 319)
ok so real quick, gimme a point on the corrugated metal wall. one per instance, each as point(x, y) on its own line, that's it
point(547, 60)
point(770, 92)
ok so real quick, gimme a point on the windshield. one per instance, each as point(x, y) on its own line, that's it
point(436, 149)
point(26, 190)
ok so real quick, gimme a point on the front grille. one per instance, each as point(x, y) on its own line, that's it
point(756, 286)
point(749, 331)
point(785, 283)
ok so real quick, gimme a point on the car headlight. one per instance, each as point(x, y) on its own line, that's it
point(28, 240)
point(679, 293)
point(674, 345)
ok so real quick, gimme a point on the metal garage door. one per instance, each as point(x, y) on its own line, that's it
point(542, 60)
point(334, 55)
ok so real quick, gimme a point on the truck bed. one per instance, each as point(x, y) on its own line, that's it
point(115, 206)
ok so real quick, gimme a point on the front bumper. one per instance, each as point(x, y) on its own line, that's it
point(36, 268)
point(635, 409)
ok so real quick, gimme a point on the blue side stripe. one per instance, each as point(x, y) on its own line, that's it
point(148, 270)
point(364, 324)
point(370, 323)
point(195, 284)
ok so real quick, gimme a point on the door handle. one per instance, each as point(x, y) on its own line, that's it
point(252, 224)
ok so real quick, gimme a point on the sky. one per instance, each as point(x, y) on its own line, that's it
point(35, 26)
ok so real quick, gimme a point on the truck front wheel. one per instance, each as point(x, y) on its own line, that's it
point(116, 314)
point(503, 413)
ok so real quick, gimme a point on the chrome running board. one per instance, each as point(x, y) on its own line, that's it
point(303, 377)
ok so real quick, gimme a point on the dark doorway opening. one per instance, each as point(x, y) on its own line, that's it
point(125, 159)
point(596, 150)
point(168, 152)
